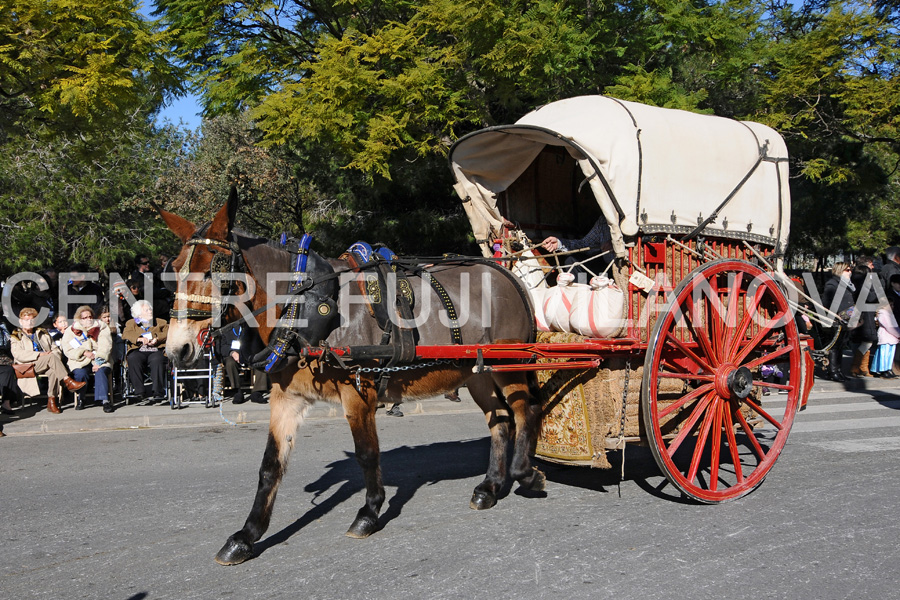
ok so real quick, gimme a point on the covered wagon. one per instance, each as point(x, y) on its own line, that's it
point(678, 342)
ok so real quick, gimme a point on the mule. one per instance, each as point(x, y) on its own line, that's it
point(511, 412)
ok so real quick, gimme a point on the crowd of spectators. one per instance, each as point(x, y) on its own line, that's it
point(867, 298)
point(81, 346)
point(89, 343)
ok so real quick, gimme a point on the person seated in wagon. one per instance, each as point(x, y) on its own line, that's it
point(596, 257)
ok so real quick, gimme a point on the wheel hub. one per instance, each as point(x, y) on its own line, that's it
point(734, 382)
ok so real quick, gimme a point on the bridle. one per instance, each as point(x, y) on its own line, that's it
point(226, 261)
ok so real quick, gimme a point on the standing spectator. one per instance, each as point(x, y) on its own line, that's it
point(888, 338)
point(81, 291)
point(838, 297)
point(88, 346)
point(145, 338)
point(32, 345)
point(891, 266)
point(236, 346)
point(157, 293)
point(141, 266)
point(862, 338)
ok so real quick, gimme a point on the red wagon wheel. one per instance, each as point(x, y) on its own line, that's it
point(702, 389)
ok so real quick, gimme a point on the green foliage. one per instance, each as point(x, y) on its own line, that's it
point(833, 92)
point(79, 67)
point(58, 208)
point(335, 116)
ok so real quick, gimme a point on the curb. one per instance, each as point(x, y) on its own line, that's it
point(35, 420)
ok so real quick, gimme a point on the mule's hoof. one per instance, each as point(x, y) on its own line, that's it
point(362, 527)
point(536, 482)
point(482, 500)
point(234, 552)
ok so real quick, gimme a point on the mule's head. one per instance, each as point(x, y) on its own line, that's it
point(203, 274)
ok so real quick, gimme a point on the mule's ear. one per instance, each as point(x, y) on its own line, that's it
point(220, 228)
point(181, 227)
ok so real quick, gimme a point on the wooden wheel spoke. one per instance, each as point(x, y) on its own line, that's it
point(753, 344)
point(732, 446)
point(708, 418)
point(763, 413)
point(741, 329)
point(768, 357)
point(688, 353)
point(702, 338)
point(678, 404)
point(688, 376)
point(731, 314)
point(688, 426)
point(714, 317)
point(715, 447)
point(749, 432)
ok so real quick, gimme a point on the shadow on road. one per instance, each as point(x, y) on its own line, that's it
point(409, 468)
point(406, 468)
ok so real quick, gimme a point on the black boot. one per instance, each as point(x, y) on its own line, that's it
point(79, 403)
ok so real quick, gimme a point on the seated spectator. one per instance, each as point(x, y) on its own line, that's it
point(33, 346)
point(145, 339)
point(9, 389)
point(88, 345)
point(118, 344)
point(57, 329)
point(235, 347)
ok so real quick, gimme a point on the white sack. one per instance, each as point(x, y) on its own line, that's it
point(597, 313)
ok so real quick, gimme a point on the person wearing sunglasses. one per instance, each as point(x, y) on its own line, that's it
point(87, 345)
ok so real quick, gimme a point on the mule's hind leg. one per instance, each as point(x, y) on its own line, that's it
point(286, 415)
point(526, 412)
point(497, 416)
point(360, 414)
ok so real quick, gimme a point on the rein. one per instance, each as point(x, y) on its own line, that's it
point(310, 282)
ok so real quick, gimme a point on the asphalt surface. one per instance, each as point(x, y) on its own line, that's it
point(33, 419)
point(138, 514)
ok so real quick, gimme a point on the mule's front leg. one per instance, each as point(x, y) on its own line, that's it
point(286, 416)
point(361, 416)
point(239, 546)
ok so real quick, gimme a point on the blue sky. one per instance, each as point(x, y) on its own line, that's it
point(186, 109)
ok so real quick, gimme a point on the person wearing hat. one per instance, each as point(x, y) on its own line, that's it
point(32, 345)
point(87, 345)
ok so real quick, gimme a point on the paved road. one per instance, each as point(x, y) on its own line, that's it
point(136, 514)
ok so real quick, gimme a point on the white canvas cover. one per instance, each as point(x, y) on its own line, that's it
point(654, 169)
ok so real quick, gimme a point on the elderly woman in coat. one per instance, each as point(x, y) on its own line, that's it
point(87, 345)
point(145, 339)
point(32, 345)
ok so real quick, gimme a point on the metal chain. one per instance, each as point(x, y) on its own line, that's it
point(408, 367)
point(621, 442)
